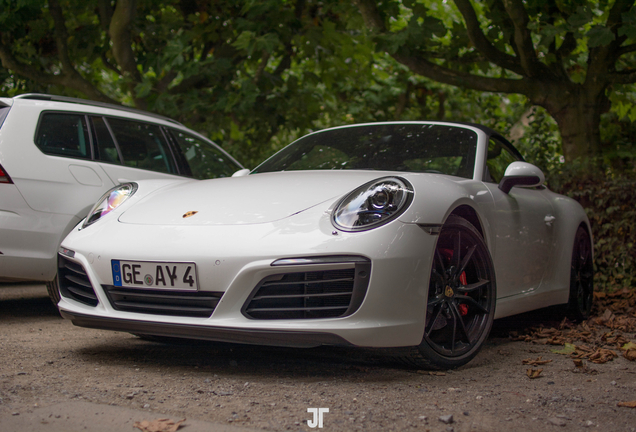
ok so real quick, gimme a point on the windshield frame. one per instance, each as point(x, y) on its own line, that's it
point(470, 143)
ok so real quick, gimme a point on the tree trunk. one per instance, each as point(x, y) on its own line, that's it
point(578, 115)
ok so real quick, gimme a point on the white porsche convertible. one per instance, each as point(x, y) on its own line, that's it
point(412, 236)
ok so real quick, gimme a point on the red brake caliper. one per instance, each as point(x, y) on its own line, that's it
point(463, 309)
point(448, 253)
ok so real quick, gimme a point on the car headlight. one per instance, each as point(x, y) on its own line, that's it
point(109, 202)
point(373, 204)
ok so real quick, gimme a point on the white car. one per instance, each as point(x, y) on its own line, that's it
point(59, 155)
point(412, 236)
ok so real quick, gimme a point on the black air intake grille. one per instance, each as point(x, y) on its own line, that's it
point(308, 295)
point(74, 282)
point(198, 304)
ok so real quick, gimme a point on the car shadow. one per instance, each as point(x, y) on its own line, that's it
point(179, 355)
point(25, 301)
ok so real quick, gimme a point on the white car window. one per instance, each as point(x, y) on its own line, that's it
point(62, 134)
point(142, 145)
point(105, 148)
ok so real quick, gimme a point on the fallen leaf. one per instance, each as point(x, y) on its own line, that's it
point(581, 367)
point(629, 346)
point(630, 354)
point(159, 425)
point(631, 404)
point(602, 355)
point(568, 348)
point(534, 373)
point(537, 362)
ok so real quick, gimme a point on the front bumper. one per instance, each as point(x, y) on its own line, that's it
point(233, 260)
point(220, 334)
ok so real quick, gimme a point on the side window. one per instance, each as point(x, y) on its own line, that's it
point(105, 148)
point(499, 157)
point(205, 160)
point(63, 134)
point(142, 145)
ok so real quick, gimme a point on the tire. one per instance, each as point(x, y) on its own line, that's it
point(54, 291)
point(581, 277)
point(461, 299)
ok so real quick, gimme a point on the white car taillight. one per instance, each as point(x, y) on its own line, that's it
point(4, 177)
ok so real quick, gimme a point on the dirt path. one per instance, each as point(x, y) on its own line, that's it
point(50, 368)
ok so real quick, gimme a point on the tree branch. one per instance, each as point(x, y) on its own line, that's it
point(522, 38)
point(483, 45)
point(105, 14)
point(71, 79)
point(615, 16)
point(614, 21)
point(120, 35)
point(261, 66)
point(621, 77)
point(445, 75)
point(163, 83)
point(371, 14)
point(108, 64)
point(61, 35)
point(442, 74)
point(625, 50)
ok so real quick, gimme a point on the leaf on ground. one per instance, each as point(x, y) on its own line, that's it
point(568, 348)
point(602, 355)
point(537, 362)
point(581, 367)
point(617, 340)
point(534, 373)
point(159, 425)
point(630, 354)
point(631, 404)
point(629, 346)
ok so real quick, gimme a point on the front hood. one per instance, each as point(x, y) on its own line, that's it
point(253, 199)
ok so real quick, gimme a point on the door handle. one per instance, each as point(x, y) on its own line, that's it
point(549, 219)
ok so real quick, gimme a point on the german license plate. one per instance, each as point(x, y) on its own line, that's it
point(157, 275)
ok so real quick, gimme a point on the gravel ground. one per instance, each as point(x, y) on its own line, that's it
point(50, 368)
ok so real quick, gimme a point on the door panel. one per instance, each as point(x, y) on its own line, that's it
point(523, 242)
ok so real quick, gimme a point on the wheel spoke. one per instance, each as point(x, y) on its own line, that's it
point(437, 312)
point(434, 302)
point(457, 249)
point(472, 302)
point(466, 259)
point(461, 321)
point(437, 281)
point(440, 260)
point(464, 289)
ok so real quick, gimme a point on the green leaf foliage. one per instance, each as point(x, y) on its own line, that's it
point(608, 197)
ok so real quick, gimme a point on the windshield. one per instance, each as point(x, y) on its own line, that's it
point(424, 148)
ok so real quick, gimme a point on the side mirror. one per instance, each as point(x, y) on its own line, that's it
point(241, 173)
point(521, 174)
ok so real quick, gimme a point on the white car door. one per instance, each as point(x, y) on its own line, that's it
point(522, 223)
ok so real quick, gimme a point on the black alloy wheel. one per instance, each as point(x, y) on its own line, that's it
point(461, 298)
point(581, 277)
